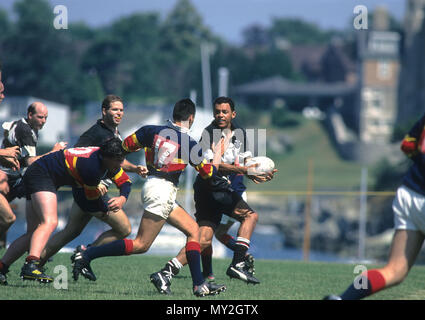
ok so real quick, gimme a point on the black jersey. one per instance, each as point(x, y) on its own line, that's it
point(19, 133)
point(96, 135)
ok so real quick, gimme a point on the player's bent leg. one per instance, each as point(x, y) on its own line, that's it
point(18, 247)
point(182, 221)
point(241, 268)
point(7, 218)
point(44, 204)
point(77, 221)
point(405, 247)
point(118, 221)
point(150, 226)
point(207, 234)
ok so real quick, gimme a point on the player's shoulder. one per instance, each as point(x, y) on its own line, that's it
point(23, 126)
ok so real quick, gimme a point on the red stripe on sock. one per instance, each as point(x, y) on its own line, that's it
point(31, 258)
point(128, 246)
point(376, 280)
point(207, 251)
point(192, 245)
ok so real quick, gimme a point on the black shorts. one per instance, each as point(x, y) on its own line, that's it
point(97, 205)
point(16, 187)
point(211, 205)
point(37, 179)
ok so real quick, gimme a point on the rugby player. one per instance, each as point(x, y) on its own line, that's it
point(409, 224)
point(82, 167)
point(23, 135)
point(222, 136)
point(169, 149)
point(81, 210)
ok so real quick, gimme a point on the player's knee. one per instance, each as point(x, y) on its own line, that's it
point(205, 243)
point(394, 275)
point(140, 246)
point(9, 220)
point(51, 223)
point(125, 231)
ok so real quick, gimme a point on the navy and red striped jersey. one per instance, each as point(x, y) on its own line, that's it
point(82, 167)
point(168, 151)
point(413, 145)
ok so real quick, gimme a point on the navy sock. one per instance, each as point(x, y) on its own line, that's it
point(193, 255)
point(371, 282)
point(115, 248)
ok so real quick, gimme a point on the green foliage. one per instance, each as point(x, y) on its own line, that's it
point(282, 117)
point(140, 56)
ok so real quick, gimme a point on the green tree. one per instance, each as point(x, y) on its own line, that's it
point(180, 38)
point(38, 59)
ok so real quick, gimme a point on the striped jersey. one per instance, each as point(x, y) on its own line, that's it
point(413, 145)
point(168, 150)
point(82, 167)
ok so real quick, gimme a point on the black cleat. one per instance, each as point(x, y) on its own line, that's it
point(81, 266)
point(3, 278)
point(240, 271)
point(208, 289)
point(249, 263)
point(32, 271)
point(162, 281)
point(332, 297)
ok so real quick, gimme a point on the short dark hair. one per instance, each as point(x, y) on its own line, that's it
point(228, 100)
point(183, 109)
point(106, 103)
point(112, 148)
point(31, 108)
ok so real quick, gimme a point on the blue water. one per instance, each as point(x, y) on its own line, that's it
point(266, 242)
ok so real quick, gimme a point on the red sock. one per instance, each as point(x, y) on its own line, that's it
point(128, 246)
point(376, 280)
point(32, 258)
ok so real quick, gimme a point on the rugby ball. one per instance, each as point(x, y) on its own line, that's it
point(265, 165)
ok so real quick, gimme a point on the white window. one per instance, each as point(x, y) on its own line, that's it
point(383, 71)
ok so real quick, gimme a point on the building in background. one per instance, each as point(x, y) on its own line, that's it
point(358, 92)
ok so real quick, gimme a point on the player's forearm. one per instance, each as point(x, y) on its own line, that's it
point(128, 166)
point(31, 160)
point(225, 168)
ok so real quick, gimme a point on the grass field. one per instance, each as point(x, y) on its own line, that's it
point(127, 278)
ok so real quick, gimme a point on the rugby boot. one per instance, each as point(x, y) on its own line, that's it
point(3, 278)
point(332, 297)
point(162, 281)
point(31, 270)
point(240, 271)
point(249, 263)
point(208, 289)
point(80, 265)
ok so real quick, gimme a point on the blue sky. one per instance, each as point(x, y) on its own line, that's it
point(228, 18)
